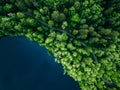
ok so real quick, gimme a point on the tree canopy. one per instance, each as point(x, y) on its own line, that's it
point(83, 35)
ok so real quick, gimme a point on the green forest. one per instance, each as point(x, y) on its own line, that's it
point(83, 36)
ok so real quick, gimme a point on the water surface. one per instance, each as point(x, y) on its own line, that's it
point(24, 65)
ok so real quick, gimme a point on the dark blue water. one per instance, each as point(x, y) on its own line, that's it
point(25, 65)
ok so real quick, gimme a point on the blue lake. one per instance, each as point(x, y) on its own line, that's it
point(24, 65)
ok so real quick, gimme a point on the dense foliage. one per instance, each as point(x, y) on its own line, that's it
point(83, 35)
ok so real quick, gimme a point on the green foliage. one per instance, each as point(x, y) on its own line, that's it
point(83, 35)
point(75, 18)
point(58, 17)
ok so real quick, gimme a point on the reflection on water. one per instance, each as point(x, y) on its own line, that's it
point(25, 65)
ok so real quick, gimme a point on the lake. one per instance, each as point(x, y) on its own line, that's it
point(24, 65)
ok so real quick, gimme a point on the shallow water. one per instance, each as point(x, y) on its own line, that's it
point(24, 65)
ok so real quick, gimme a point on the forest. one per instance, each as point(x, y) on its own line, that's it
point(83, 35)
